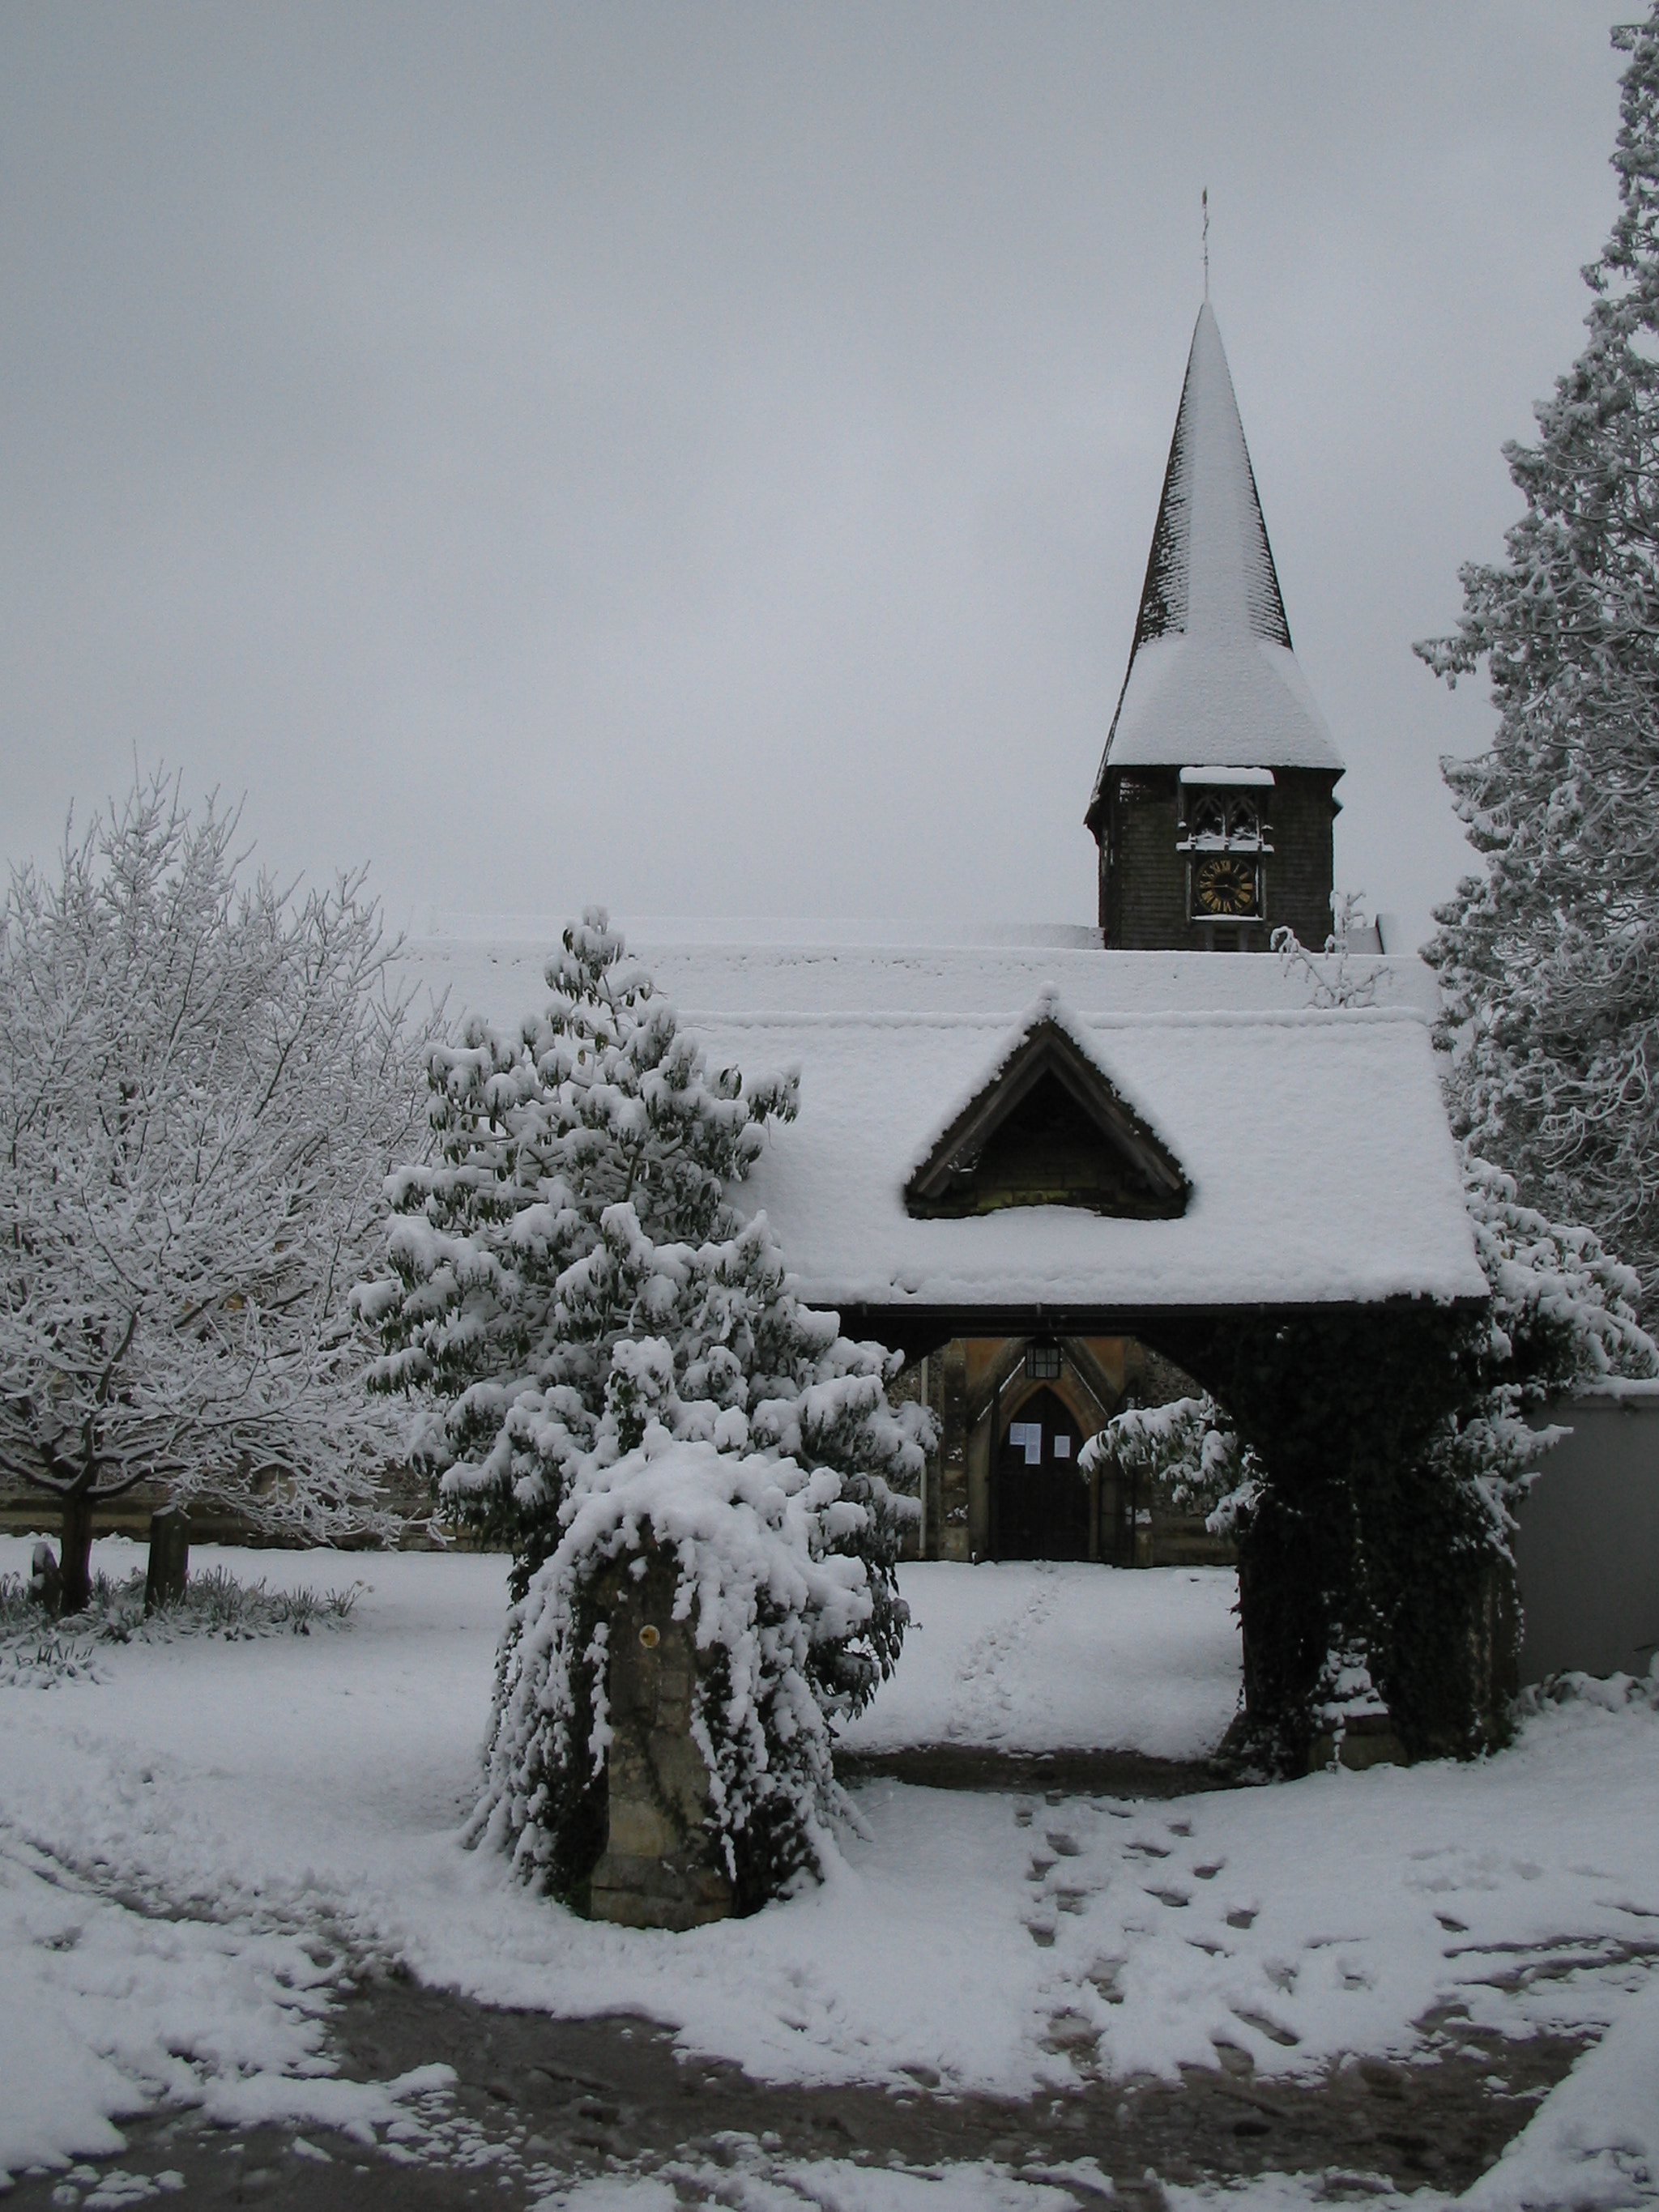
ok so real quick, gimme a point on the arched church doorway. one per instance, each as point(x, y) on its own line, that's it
point(1041, 1500)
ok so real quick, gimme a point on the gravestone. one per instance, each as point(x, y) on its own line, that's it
point(46, 1581)
point(660, 1867)
point(169, 1558)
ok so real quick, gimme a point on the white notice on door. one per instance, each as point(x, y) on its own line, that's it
point(1027, 1436)
point(1062, 1446)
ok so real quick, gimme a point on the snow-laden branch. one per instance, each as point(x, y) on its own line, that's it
point(1187, 1450)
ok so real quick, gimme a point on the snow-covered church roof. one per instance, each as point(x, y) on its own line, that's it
point(1211, 676)
point(1313, 1146)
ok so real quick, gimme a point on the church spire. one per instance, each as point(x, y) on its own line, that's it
point(1212, 568)
point(1212, 678)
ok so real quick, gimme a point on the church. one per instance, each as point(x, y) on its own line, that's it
point(1049, 1167)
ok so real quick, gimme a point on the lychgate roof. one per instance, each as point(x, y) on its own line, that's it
point(1311, 1147)
point(1316, 1147)
point(1211, 674)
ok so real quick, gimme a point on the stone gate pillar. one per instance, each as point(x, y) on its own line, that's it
point(661, 1868)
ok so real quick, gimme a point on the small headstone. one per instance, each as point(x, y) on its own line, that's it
point(169, 1558)
point(46, 1581)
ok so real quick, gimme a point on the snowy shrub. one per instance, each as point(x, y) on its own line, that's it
point(202, 1083)
point(1563, 1315)
point(1608, 1693)
point(784, 1618)
point(1187, 1451)
point(1331, 980)
point(214, 1604)
point(572, 1291)
point(1563, 1311)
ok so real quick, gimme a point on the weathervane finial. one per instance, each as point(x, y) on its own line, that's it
point(1204, 198)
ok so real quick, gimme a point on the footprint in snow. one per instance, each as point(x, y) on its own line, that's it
point(984, 1704)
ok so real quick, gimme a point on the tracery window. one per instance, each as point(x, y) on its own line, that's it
point(1219, 820)
point(1206, 819)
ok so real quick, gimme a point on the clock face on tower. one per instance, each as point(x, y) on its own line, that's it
point(1224, 885)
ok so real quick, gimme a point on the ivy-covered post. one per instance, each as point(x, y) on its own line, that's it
point(661, 1866)
point(1376, 1589)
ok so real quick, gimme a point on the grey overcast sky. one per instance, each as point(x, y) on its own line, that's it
point(703, 457)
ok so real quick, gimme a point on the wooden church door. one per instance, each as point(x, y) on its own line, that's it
point(1042, 1498)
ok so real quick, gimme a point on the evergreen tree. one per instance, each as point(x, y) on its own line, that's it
point(614, 1363)
point(598, 1103)
point(1550, 960)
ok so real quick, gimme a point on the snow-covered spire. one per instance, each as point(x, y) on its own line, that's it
point(1211, 676)
point(1211, 570)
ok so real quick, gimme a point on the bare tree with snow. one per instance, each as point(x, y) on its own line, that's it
point(203, 1081)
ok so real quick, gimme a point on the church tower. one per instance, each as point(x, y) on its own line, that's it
point(1214, 807)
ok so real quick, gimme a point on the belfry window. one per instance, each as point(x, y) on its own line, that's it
point(1207, 820)
point(1214, 820)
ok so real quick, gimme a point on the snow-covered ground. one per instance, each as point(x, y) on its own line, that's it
point(1048, 1658)
point(197, 1839)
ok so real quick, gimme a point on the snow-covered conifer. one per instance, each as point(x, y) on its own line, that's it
point(1564, 1312)
point(202, 1083)
point(1550, 959)
point(615, 1365)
